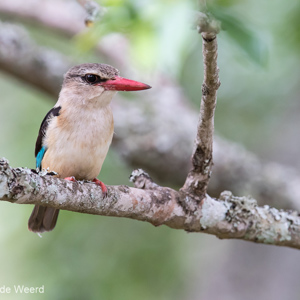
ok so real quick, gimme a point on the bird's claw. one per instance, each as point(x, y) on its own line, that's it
point(72, 178)
point(103, 187)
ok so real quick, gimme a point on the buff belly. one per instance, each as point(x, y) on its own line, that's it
point(75, 161)
point(79, 150)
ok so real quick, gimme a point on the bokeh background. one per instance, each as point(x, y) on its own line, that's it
point(93, 257)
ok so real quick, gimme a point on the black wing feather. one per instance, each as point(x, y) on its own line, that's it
point(54, 112)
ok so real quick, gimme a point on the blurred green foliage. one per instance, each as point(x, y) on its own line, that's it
point(92, 257)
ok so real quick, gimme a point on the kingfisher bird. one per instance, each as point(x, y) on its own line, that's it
point(76, 133)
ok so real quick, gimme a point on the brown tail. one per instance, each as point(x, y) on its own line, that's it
point(42, 219)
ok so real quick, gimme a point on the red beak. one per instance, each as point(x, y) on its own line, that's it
point(123, 84)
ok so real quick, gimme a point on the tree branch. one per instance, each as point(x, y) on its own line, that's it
point(227, 218)
point(22, 58)
point(52, 14)
point(202, 158)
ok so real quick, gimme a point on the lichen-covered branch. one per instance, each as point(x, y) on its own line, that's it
point(202, 160)
point(227, 217)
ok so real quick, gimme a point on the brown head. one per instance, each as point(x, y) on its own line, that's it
point(95, 82)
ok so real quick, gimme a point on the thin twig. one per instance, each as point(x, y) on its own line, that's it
point(202, 158)
point(94, 11)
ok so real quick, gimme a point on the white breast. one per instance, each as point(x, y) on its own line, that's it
point(78, 142)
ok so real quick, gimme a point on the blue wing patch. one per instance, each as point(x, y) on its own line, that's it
point(40, 156)
point(39, 149)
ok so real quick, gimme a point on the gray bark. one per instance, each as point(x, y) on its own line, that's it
point(228, 217)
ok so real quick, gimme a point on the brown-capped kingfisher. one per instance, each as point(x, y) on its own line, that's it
point(76, 133)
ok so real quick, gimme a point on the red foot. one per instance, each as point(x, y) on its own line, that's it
point(102, 185)
point(72, 178)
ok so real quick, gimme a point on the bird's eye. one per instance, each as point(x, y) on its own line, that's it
point(91, 78)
